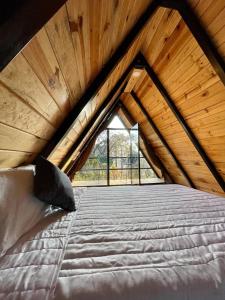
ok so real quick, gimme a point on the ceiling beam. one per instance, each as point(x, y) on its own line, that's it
point(20, 20)
point(99, 81)
point(182, 122)
point(94, 118)
point(147, 144)
point(200, 34)
point(134, 77)
point(161, 138)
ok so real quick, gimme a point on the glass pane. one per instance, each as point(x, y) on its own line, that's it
point(119, 162)
point(90, 178)
point(148, 176)
point(141, 154)
point(134, 162)
point(119, 177)
point(134, 142)
point(119, 143)
point(96, 163)
point(135, 176)
point(144, 163)
point(116, 123)
point(100, 148)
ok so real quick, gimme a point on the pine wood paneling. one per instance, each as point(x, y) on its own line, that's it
point(17, 140)
point(152, 138)
point(15, 113)
point(11, 159)
point(196, 90)
point(40, 55)
point(19, 77)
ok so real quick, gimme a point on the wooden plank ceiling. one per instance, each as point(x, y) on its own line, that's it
point(47, 78)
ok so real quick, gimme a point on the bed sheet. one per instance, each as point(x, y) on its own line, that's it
point(145, 242)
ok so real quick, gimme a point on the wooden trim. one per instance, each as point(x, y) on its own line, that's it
point(200, 34)
point(99, 81)
point(147, 144)
point(94, 118)
point(160, 136)
point(183, 123)
point(20, 21)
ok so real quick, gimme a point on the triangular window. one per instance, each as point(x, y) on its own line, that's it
point(116, 159)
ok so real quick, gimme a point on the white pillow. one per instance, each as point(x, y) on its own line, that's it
point(19, 209)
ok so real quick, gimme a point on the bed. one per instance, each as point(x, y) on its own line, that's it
point(136, 242)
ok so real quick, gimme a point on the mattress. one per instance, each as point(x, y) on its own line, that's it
point(145, 242)
point(159, 242)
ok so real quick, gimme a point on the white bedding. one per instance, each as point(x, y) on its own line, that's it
point(29, 269)
point(162, 242)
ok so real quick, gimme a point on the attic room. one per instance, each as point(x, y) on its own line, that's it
point(112, 149)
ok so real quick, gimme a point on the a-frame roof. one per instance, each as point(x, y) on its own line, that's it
point(57, 92)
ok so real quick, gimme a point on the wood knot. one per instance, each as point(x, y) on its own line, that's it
point(204, 94)
point(73, 26)
point(106, 26)
point(51, 83)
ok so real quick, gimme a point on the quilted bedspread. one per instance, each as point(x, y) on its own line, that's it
point(162, 242)
point(29, 270)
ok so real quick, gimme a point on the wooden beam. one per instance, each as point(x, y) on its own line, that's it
point(108, 115)
point(147, 144)
point(20, 20)
point(183, 123)
point(135, 75)
point(99, 124)
point(200, 34)
point(98, 82)
point(94, 118)
point(161, 138)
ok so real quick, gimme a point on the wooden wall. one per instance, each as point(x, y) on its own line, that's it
point(195, 88)
point(44, 82)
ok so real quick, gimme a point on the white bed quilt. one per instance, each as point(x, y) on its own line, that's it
point(164, 242)
point(29, 270)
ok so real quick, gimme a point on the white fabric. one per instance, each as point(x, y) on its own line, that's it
point(29, 270)
point(19, 209)
point(164, 242)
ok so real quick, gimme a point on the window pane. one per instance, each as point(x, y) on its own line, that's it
point(90, 178)
point(134, 162)
point(135, 177)
point(119, 162)
point(119, 143)
point(96, 163)
point(141, 154)
point(100, 148)
point(134, 142)
point(144, 163)
point(148, 176)
point(119, 177)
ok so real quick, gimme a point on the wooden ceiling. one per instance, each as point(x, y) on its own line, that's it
point(48, 78)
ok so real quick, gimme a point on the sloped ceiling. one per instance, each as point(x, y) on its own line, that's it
point(47, 79)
